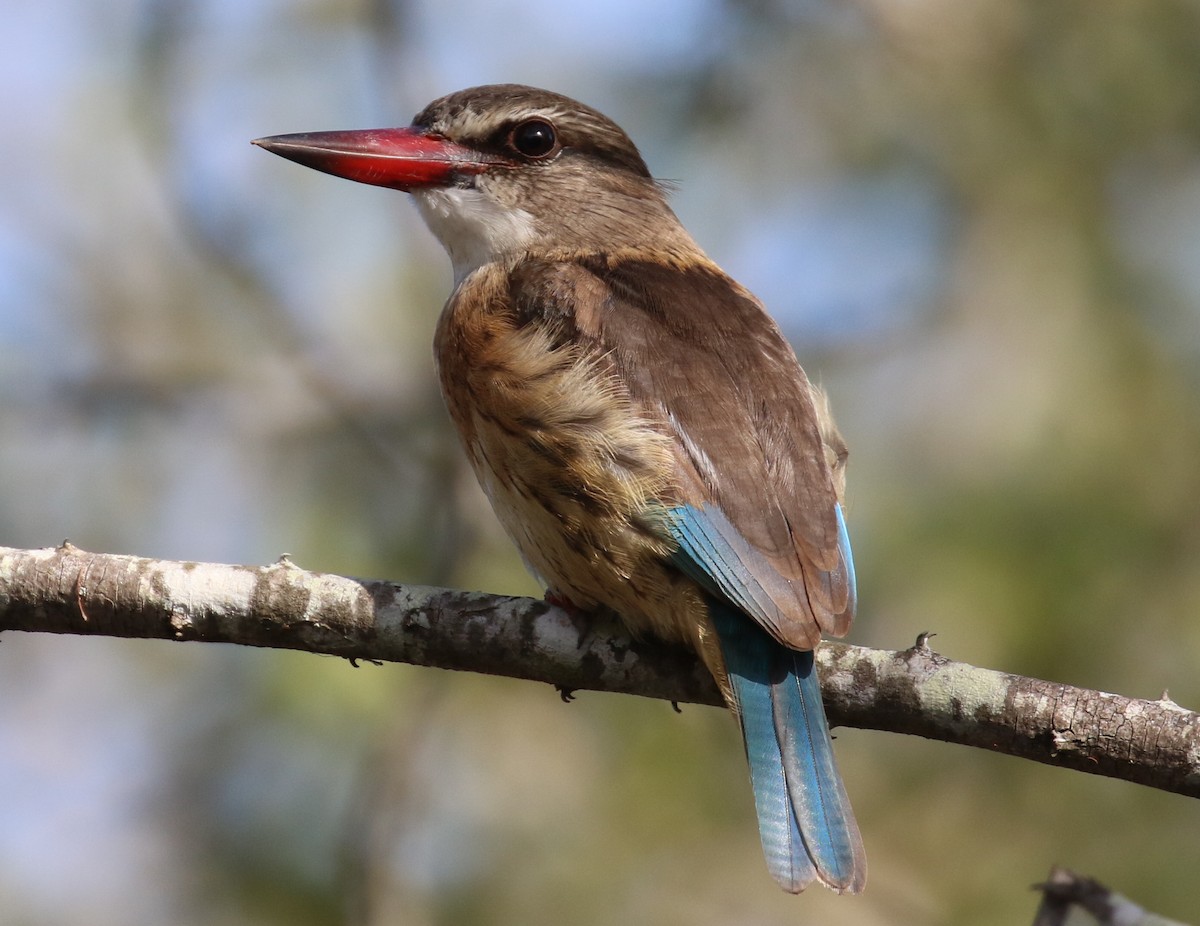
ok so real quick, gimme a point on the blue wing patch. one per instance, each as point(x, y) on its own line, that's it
point(848, 559)
point(711, 551)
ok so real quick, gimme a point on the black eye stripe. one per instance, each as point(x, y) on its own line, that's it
point(534, 138)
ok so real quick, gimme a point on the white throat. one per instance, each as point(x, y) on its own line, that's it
point(472, 227)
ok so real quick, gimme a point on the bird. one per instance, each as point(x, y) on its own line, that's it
point(640, 425)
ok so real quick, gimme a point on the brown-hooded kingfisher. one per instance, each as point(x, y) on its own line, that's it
point(643, 430)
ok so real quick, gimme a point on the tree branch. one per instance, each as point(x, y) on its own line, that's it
point(1065, 891)
point(917, 691)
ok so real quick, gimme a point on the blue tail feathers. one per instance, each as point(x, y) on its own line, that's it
point(804, 817)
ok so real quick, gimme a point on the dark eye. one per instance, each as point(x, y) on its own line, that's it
point(534, 139)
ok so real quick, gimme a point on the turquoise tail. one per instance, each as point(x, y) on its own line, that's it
point(804, 817)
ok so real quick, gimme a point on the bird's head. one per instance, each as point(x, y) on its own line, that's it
point(504, 169)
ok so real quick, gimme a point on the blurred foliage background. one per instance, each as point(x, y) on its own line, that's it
point(980, 225)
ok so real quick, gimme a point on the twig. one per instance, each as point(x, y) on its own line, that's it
point(1065, 891)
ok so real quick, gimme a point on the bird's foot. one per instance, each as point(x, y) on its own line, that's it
point(580, 617)
point(567, 694)
point(559, 600)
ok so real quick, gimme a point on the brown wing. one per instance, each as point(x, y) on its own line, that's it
point(702, 359)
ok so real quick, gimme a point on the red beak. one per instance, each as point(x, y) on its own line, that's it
point(402, 159)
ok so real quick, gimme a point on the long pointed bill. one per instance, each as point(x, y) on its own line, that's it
point(402, 159)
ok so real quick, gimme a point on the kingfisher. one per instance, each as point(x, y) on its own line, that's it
point(642, 428)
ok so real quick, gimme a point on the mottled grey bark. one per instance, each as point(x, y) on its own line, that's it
point(917, 691)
